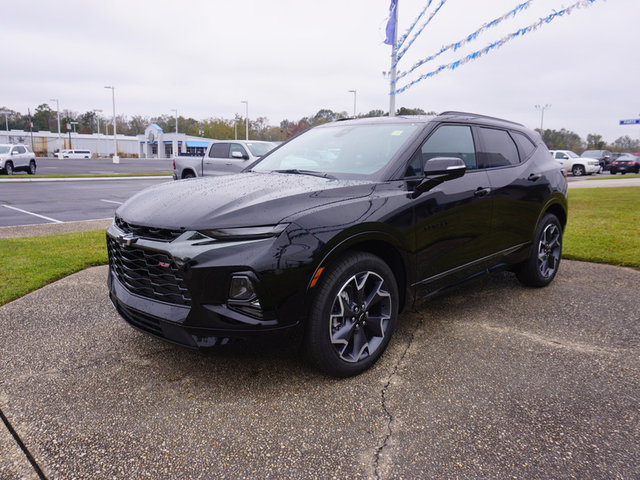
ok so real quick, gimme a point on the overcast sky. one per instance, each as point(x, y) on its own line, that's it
point(290, 58)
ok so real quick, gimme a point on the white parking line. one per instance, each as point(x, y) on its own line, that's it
point(34, 214)
point(111, 201)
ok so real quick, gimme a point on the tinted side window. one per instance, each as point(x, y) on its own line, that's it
point(446, 141)
point(526, 146)
point(219, 150)
point(237, 148)
point(20, 149)
point(500, 149)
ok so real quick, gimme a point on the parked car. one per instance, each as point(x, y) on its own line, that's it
point(604, 157)
point(221, 158)
point(15, 158)
point(336, 231)
point(576, 164)
point(625, 163)
point(74, 154)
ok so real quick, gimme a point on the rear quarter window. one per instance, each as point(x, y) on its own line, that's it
point(526, 147)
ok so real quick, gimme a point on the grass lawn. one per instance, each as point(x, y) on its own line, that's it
point(31, 262)
point(603, 227)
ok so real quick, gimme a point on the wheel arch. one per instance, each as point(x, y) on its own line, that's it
point(187, 171)
point(380, 246)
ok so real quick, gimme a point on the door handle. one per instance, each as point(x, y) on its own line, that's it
point(482, 192)
point(533, 177)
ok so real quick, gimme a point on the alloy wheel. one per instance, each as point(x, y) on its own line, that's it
point(549, 249)
point(360, 316)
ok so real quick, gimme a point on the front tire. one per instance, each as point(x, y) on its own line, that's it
point(541, 267)
point(352, 315)
point(578, 170)
point(8, 168)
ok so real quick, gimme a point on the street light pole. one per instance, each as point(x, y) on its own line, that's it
point(96, 110)
point(354, 101)
point(247, 118)
point(116, 159)
point(6, 118)
point(542, 108)
point(58, 111)
point(176, 112)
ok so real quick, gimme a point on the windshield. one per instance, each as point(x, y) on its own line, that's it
point(591, 153)
point(341, 150)
point(4, 149)
point(572, 154)
point(260, 149)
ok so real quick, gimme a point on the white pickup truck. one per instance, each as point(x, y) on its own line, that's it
point(576, 164)
point(221, 158)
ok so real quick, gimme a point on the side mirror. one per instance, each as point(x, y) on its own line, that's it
point(237, 154)
point(438, 170)
point(451, 167)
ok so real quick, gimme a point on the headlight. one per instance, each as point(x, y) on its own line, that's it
point(246, 233)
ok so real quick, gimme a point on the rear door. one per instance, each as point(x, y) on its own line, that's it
point(518, 188)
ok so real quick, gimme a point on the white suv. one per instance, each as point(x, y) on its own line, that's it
point(17, 157)
point(576, 164)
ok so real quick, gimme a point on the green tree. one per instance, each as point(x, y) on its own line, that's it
point(626, 144)
point(562, 140)
point(44, 118)
point(595, 142)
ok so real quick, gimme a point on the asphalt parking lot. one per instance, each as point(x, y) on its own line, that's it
point(491, 380)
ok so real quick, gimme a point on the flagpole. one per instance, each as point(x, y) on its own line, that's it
point(392, 77)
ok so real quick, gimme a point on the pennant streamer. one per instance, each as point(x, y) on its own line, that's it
point(497, 44)
point(470, 37)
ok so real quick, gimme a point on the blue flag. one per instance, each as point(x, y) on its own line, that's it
point(391, 24)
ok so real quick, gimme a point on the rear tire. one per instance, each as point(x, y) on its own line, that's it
point(189, 175)
point(32, 168)
point(352, 315)
point(541, 267)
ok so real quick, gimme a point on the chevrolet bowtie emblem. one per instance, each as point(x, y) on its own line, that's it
point(126, 240)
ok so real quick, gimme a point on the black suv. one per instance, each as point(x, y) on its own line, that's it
point(336, 231)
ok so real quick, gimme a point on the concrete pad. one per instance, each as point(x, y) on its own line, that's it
point(490, 380)
point(14, 463)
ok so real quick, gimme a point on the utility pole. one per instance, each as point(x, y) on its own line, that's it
point(354, 101)
point(394, 54)
point(6, 119)
point(116, 159)
point(58, 110)
point(96, 110)
point(542, 108)
point(30, 128)
point(176, 112)
point(247, 118)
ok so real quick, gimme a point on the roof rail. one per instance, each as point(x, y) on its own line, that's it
point(453, 112)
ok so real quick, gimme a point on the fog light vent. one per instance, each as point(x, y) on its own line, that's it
point(241, 288)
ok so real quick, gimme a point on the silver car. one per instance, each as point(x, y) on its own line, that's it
point(14, 158)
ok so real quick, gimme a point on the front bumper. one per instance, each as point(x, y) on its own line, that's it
point(177, 290)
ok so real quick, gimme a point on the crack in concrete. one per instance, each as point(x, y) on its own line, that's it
point(385, 408)
point(22, 446)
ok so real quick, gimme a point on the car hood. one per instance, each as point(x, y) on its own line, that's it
point(245, 199)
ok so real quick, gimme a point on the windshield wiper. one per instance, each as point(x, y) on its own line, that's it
point(313, 173)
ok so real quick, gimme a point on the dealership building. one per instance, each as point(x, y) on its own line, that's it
point(154, 143)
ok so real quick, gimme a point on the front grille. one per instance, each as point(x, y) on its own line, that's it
point(158, 234)
point(149, 274)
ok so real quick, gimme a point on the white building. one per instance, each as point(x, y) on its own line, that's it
point(45, 144)
point(154, 143)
